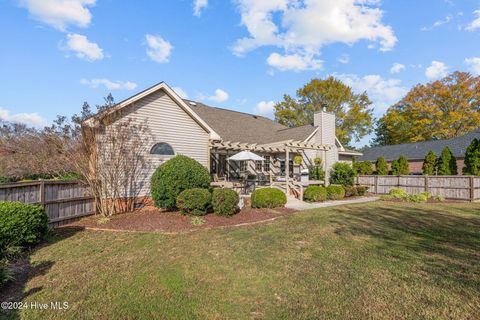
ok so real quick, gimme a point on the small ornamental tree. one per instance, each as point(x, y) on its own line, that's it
point(174, 176)
point(429, 163)
point(472, 159)
point(447, 164)
point(316, 171)
point(381, 166)
point(400, 166)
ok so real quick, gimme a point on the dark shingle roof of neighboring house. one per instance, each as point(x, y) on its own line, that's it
point(243, 127)
point(418, 150)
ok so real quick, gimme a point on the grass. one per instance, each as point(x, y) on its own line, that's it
point(367, 261)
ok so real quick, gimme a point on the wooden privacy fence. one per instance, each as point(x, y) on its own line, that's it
point(449, 187)
point(63, 200)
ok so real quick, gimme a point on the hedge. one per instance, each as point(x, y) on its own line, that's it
point(194, 201)
point(315, 194)
point(173, 177)
point(335, 192)
point(268, 198)
point(225, 202)
point(21, 224)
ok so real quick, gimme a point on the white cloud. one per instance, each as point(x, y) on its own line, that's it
point(110, 85)
point(159, 50)
point(265, 108)
point(60, 13)
point(198, 6)
point(220, 96)
point(436, 70)
point(474, 64)
point(397, 68)
point(83, 48)
point(32, 119)
point(475, 24)
point(182, 93)
point(293, 62)
point(438, 23)
point(383, 92)
point(344, 58)
point(302, 28)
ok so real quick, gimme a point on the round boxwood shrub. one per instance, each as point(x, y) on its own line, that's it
point(225, 202)
point(315, 194)
point(194, 201)
point(21, 224)
point(268, 198)
point(174, 176)
point(335, 192)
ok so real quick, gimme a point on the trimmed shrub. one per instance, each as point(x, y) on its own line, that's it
point(225, 202)
point(350, 191)
point(447, 164)
point(342, 173)
point(366, 167)
point(268, 198)
point(173, 177)
point(398, 193)
point(315, 194)
point(381, 166)
point(472, 159)
point(194, 201)
point(421, 197)
point(400, 166)
point(21, 224)
point(429, 163)
point(361, 190)
point(335, 192)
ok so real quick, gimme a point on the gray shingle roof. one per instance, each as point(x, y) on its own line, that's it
point(418, 150)
point(242, 127)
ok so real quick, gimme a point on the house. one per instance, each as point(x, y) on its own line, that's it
point(415, 152)
point(211, 135)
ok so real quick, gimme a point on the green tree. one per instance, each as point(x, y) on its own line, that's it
point(353, 114)
point(429, 163)
point(441, 109)
point(366, 168)
point(400, 166)
point(381, 166)
point(447, 164)
point(472, 159)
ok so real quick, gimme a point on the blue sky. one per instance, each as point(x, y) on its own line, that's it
point(239, 54)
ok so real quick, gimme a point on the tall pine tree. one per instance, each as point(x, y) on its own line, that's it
point(429, 164)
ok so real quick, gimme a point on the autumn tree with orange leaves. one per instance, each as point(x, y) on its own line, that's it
point(441, 109)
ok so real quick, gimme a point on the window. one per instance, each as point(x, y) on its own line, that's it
point(258, 166)
point(163, 149)
point(243, 166)
point(266, 164)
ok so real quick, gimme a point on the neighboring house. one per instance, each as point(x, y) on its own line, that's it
point(415, 152)
point(210, 135)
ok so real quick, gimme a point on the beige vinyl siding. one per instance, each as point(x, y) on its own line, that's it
point(167, 122)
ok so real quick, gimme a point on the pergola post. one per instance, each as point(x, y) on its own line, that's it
point(287, 169)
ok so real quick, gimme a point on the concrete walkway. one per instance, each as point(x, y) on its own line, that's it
point(294, 203)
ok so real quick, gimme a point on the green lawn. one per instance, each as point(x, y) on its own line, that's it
point(369, 261)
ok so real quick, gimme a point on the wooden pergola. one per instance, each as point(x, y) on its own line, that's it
point(275, 147)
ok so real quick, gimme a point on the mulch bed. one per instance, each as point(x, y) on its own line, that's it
point(153, 219)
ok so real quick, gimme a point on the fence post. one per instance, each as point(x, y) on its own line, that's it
point(42, 193)
point(472, 189)
point(426, 183)
point(376, 184)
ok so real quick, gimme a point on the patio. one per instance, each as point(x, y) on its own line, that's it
point(244, 167)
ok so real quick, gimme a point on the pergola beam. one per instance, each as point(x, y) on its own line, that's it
point(292, 146)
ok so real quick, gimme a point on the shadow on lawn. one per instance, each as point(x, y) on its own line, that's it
point(24, 270)
point(444, 245)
